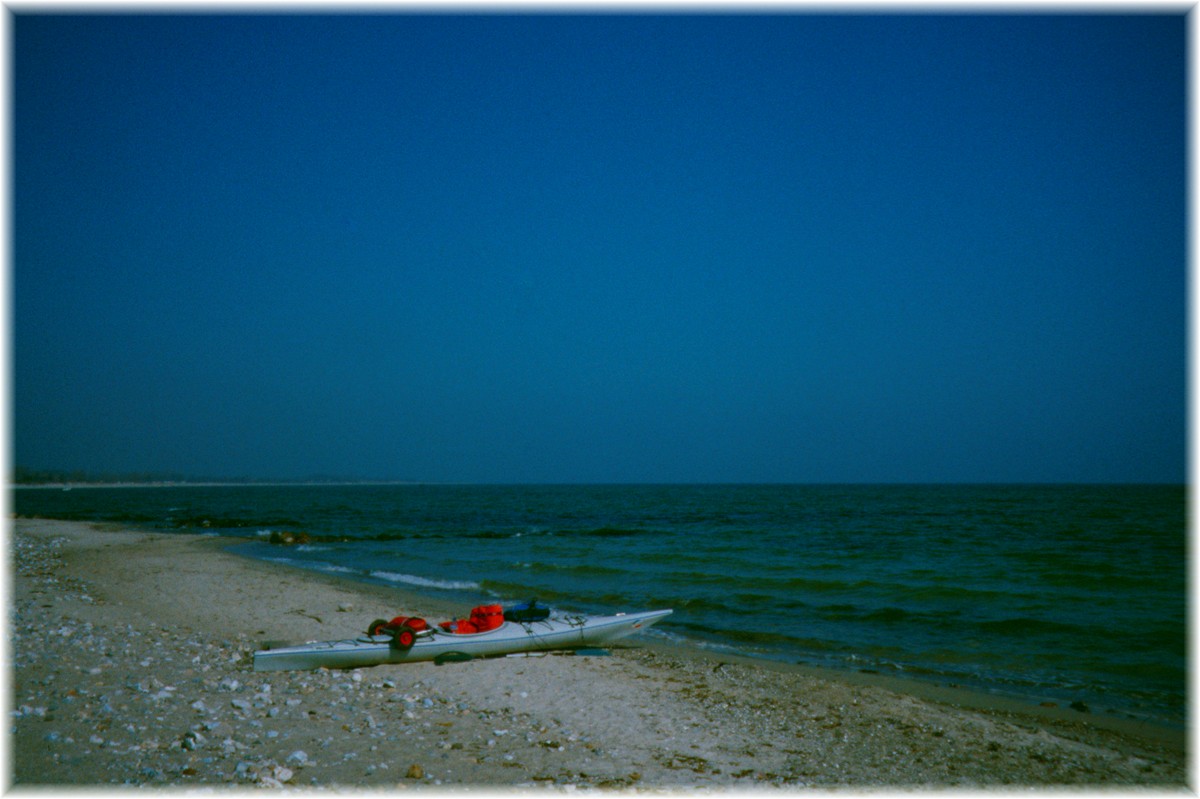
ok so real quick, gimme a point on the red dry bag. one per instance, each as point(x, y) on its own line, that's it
point(487, 617)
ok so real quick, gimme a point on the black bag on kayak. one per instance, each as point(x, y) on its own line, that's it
point(527, 611)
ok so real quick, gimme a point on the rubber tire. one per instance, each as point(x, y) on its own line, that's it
point(374, 628)
point(404, 638)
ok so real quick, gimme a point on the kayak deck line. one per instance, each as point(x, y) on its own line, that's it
point(554, 633)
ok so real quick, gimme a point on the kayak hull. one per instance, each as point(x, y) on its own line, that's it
point(563, 632)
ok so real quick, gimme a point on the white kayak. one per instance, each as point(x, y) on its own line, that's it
point(556, 632)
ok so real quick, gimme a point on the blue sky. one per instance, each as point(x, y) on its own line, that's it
point(784, 247)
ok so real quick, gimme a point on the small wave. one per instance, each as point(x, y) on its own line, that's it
point(1101, 579)
point(582, 569)
point(725, 606)
point(845, 613)
point(423, 582)
point(409, 535)
point(544, 593)
point(329, 567)
point(311, 548)
point(812, 586)
point(612, 532)
point(744, 636)
point(886, 615)
point(483, 535)
point(594, 532)
point(960, 594)
point(1025, 626)
point(231, 523)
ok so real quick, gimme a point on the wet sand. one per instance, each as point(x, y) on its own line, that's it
point(131, 665)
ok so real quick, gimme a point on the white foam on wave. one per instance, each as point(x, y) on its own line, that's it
point(339, 569)
point(311, 548)
point(412, 579)
point(312, 566)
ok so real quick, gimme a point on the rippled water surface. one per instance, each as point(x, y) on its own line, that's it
point(1070, 593)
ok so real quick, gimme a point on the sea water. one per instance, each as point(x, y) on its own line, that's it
point(1070, 594)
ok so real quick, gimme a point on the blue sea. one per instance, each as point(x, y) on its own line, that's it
point(1053, 593)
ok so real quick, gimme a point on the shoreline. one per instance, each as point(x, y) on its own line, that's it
point(971, 697)
point(687, 717)
point(1123, 713)
point(1160, 727)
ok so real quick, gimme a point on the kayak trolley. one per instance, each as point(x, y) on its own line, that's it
point(404, 630)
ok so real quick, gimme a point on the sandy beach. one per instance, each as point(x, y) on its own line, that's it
point(131, 665)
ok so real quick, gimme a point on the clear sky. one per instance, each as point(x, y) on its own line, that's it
point(787, 248)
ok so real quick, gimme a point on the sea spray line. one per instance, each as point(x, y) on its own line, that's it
point(424, 582)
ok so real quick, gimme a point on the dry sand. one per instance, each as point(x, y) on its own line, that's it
point(131, 656)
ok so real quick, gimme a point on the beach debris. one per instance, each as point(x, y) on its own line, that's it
point(300, 612)
point(415, 772)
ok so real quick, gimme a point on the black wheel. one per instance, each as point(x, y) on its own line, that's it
point(404, 637)
point(376, 627)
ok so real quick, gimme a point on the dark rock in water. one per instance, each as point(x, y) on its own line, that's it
point(1081, 707)
point(288, 538)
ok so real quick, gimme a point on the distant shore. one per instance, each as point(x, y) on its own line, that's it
point(131, 655)
point(213, 484)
